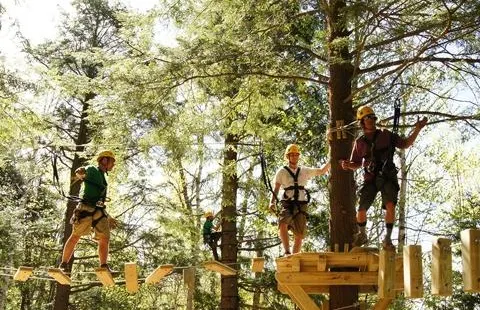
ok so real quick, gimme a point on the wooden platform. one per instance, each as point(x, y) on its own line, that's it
point(59, 276)
point(302, 274)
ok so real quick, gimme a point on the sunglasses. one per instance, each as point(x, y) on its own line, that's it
point(371, 116)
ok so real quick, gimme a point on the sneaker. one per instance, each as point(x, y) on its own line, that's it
point(63, 266)
point(286, 254)
point(106, 266)
point(360, 239)
point(387, 244)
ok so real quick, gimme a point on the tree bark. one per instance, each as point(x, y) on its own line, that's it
point(229, 245)
point(62, 294)
point(342, 196)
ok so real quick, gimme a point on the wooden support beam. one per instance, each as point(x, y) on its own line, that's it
point(158, 274)
point(104, 276)
point(131, 277)
point(311, 262)
point(471, 259)
point(59, 276)
point(258, 264)
point(413, 271)
point(23, 273)
point(382, 304)
point(301, 299)
point(219, 267)
point(327, 278)
point(325, 304)
point(386, 274)
point(442, 267)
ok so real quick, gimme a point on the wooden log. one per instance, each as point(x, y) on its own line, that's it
point(158, 274)
point(471, 259)
point(258, 264)
point(59, 276)
point(301, 299)
point(131, 277)
point(220, 268)
point(386, 274)
point(23, 273)
point(442, 267)
point(104, 276)
point(413, 271)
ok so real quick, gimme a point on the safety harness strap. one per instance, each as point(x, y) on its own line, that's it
point(85, 213)
point(296, 188)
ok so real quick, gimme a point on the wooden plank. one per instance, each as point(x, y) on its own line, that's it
point(189, 277)
point(59, 276)
point(413, 271)
point(382, 304)
point(442, 267)
point(159, 273)
point(258, 264)
point(131, 277)
point(301, 299)
point(23, 273)
point(322, 263)
point(386, 274)
point(471, 259)
point(328, 278)
point(104, 276)
point(309, 261)
point(295, 264)
point(220, 268)
point(325, 304)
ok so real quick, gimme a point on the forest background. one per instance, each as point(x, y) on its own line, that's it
point(189, 120)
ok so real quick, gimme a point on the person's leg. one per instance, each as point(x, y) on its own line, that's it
point(213, 247)
point(297, 245)
point(69, 248)
point(103, 244)
point(283, 233)
point(389, 199)
point(366, 194)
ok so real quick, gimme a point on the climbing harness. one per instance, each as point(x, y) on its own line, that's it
point(294, 206)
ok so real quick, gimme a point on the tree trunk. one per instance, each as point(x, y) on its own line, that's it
point(229, 245)
point(402, 201)
point(342, 196)
point(62, 294)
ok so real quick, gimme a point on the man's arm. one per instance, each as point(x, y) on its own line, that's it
point(323, 170)
point(349, 165)
point(273, 199)
point(413, 136)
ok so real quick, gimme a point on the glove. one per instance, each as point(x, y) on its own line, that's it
point(273, 208)
point(112, 223)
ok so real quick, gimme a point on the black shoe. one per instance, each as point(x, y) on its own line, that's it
point(106, 266)
point(63, 266)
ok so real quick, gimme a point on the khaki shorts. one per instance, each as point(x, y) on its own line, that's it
point(84, 227)
point(295, 216)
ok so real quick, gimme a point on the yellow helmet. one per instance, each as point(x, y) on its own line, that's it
point(208, 214)
point(364, 111)
point(291, 148)
point(105, 153)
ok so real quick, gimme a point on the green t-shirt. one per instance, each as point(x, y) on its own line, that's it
point(207, 227)
point(94, 185)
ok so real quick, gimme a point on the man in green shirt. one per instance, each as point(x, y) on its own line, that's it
point(210, 233)
point(90, 212)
